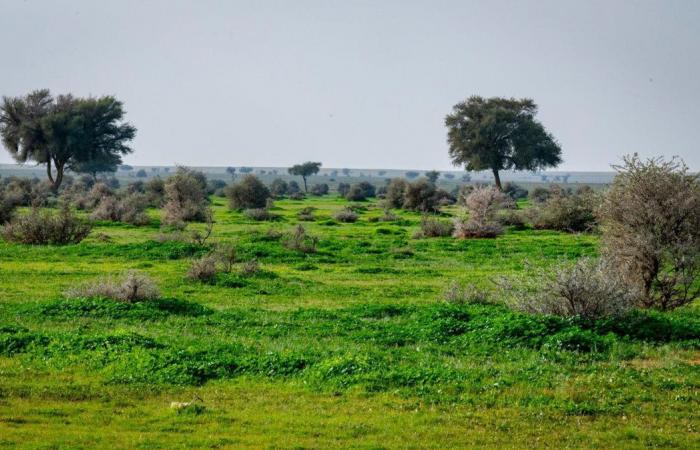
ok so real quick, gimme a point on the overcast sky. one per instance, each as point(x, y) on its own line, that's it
point(364, 84)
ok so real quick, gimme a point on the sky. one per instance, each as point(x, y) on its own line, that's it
point(364, 84)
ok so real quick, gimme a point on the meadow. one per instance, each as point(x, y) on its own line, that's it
point(350, 346)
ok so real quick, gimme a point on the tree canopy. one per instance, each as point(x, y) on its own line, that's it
point(65, 132)
point(499, 134)
point(304, 170)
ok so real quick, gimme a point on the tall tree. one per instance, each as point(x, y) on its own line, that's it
point(304, 170)
point(499, 134)
point(65, 132)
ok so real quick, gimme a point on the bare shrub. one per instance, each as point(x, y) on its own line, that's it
point(203, 269)
point(539, 194)
point(301, 241)
point(388, 216)
point(92, 198)
point(457, 294)
point(588, 288)
point(346, 215)
point(511, 217)
point(651, 230)
point(131, 287)
point(41, 227)
point(185, 197)
point(260, 214)
point(434, 227)
point(200, 237)
point(227, 256)
point(482, 203)
point(249, 193)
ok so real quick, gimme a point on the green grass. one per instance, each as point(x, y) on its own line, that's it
point(347, 347)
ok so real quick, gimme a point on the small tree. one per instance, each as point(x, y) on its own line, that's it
point(499, 134)
point(396, 192)
point(231, 171)
point(65, 132)
point(185, 197)
point(432, 175)
point(249, 193)
point(305, 170)
point(651, 230)
point(411, 174)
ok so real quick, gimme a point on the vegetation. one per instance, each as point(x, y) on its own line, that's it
point(249, 193)
point(305, 170)
point(80, 134)
point(499, 134)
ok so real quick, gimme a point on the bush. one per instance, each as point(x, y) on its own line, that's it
point(514, 191)
point(6, 209)
point(482, 203)
point(91, 199)
point(185, 197)
point(203, 269)
point(154, 189)
point(131, 287)
point(422, 196)
point(260, 214)
point(511, 217)
point(41, 227)
point(293, 188)
point(539, 194)
point(319, 189)
point(396, 193)
point(589, 289)
point(130, 209)
point(458, 295)
point(307, 214)
point(346, 215)
point(297, 196)
point(278, 188)
point(563, 211)
point(343, 189)
point(301, 241)
point(434, 227)
point(651, 230)
point(249, 193)
point(360, 191)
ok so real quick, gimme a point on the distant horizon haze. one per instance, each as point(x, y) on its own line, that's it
point(364, 83)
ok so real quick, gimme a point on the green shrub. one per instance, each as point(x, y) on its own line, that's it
point(42, 227)
point(249, 193)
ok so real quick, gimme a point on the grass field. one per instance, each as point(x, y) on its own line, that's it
point(350, 346)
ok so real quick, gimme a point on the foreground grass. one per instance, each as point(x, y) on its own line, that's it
point(349, 346)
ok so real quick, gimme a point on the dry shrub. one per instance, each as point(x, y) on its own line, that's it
point(512, 218)
point(307, 214)
point(131, 287)
point(651, 230)
point(41, 227)
point(300, 240)
point(346, 215)
point(185, 197)
point(250, 268)
point(260, 214)
point(129, 209)
point(319, 189)
point(588, 288)
point(564, 211)
point(249, 193)
point(482, 203)
point(227, 256)
point(6, 208)
point(203, 269)
point(457, 294)
point(434, 227)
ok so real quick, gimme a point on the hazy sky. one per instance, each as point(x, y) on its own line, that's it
point(364, 83)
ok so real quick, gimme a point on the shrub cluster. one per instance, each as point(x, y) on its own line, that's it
point(130, 287)
point(346, 215)
point(185, 197)
point(482, 204)
point(360, 191)
point(434, 227)
point(651, 230)
point(41, 227)
point(128, 209)
point(319, 189)
point(565, 211)
point(249, 193)
point(299, 240)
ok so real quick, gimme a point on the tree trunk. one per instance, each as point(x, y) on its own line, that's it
point(55, 182)
point(305, 191)
point(497, 177)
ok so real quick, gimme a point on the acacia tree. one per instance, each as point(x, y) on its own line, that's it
point(304, 170)
point(65, 132)
point(499, 134)
point(432, 175)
